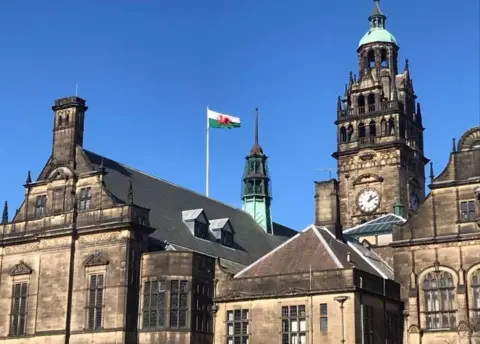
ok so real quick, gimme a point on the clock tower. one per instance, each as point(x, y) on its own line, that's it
point(379, 155)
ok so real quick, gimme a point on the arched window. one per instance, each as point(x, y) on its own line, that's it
point(350, 136)
point(371, 102)
point(475, 294)
point(361, 130)
point(439, 300)
point(384, 59)
point(371, 59)
point(391, 127)
point(59, 121)
point(372, 129)
point(361, 104)
point(343, 134)
point(383, 127)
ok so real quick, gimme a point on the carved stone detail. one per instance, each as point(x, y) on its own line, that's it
point(22, 248)
point(20, 269)
point(100, 237)
point(54, 242)
point(96, 259)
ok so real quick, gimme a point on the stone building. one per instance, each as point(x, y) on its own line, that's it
point(99, 252)
point(436, 252)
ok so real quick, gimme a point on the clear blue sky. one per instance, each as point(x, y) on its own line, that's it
point(149, 68)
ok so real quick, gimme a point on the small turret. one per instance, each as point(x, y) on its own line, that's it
point(5, 214)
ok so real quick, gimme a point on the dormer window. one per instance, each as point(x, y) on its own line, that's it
point(227, 238)
point(40, 204)
point(222, 231)
point(196, 222)
point(201, 230)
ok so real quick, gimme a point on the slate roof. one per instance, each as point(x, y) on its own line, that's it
point(167, 201)
point(316, 248)
point(381, 225)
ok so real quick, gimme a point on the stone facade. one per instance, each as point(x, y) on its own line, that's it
point(436, 255)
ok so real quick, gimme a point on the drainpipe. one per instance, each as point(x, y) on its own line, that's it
point(341, 300)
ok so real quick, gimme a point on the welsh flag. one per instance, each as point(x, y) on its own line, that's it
point(220, 120)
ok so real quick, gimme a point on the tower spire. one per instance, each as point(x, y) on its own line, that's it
point(377, 18)
point(256, 193)
point(5, 214)
point(256, 148)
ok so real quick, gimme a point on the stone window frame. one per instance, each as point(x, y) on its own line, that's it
point(454, 310)
point(473, 289)
point(286, 317)
point(89, 272)
point(179, 308)
point(200, 306)
point(166, 300)
point(168, 294)
point(323, 311)
point(19, 279)
point(470, 210)
point(242, 322)
point(40, 206)
point(85, 198)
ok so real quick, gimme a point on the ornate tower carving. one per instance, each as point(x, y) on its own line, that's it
point(256, 193)
point(67, 129)
point(379, 132)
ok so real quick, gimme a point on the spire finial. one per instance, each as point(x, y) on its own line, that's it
point(256, 125)
point(377, 18)
point(345, 95)
point(431, 172)
point(5, 214)
point(339, 104)
point(454, 145)
point(130, 192)
point(29, 178)
point(256, 148)
point(406, 68)
point(350, 79)
point(419, 110)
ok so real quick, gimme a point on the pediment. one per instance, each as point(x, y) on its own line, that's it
point(59, 172)
point(368, 178)
point(96, 259)
point(21, 269)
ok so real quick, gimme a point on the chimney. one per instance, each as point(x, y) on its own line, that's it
point(327, 207)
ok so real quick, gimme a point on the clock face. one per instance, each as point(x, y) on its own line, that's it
point(414, 202)
point(368, 200)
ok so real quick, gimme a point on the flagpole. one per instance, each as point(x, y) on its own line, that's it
point(207, 155)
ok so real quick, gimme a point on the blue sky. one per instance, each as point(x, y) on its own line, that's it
point(149, 68)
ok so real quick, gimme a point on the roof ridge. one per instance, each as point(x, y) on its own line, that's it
point(327, 247)
point(362, 256)
point(271, 252)
point(167, 182)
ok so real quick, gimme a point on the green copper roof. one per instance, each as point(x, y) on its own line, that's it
point(377, 32)
point(381, 225)
point(377, 35)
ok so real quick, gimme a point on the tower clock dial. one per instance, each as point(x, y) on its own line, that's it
point(368, 200)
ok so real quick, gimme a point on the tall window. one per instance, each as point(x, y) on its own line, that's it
point(467, 211)
point(95, 302)
point(40, 204)
point(226, 238)
point(178, 304)
point(323, 317)
point(85, 199)
point(237, 326)
point(154, 304)
point(368, 324)
point(294, 325)
point(201, 230)
point(438, 291)
point(392, 323)
point(57, 203)
point(476, 294)
point(19, 309)
point(202, 300)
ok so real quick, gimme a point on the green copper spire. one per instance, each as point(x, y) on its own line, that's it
point(377, 32)
point(256, 195)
